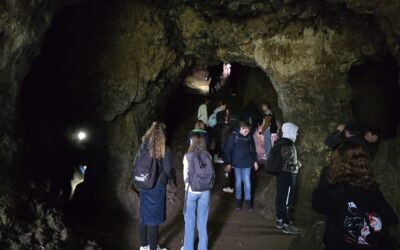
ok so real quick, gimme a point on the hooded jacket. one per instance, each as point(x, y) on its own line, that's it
point(288, 150)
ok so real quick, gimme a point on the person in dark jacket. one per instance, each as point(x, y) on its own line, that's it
point(353, 132)
point(240, 153)
point(152, 201)
point(357, 214)
point(285, 182)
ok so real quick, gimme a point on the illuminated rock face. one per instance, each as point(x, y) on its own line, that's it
point(132, 55)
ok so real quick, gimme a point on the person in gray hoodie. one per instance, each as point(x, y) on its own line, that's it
point(285, 182)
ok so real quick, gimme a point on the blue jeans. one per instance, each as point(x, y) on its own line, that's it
point(242, 174)
point(201, 203)
point(267, 141)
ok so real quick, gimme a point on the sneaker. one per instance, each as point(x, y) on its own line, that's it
point(279, 223)
point(238, 208)
point(159, 248)
point(218, 160)
point(290, 229)
point(228, 190)
point(145, 247)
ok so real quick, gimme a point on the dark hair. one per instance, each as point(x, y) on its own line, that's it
point(350, 165)
point(244, 124)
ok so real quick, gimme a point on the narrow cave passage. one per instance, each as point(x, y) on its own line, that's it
point(227, 229)
point(376, 96)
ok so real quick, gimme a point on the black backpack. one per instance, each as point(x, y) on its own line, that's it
point(200, 171)
point(274, 161)
point(145, 169)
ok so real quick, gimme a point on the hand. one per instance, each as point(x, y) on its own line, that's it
point(228, 168)
point(255, 166)
point(300, 164)
point(341, 127)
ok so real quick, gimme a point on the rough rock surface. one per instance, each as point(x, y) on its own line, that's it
point(136, 52)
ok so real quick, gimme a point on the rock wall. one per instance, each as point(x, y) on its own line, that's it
point(132, 53)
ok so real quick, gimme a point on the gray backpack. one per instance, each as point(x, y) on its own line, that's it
point(200, 171)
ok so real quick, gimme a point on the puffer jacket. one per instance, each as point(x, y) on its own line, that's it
point(290, 162)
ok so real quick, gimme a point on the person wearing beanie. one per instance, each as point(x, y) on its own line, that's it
point(285, 182)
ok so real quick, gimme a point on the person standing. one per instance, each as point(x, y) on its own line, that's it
point(202, 113)
point(357, 214)
point(240, 153)
point(285, 182)
point(152, 201)
point(197, 200)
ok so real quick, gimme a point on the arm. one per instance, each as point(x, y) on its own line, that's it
point(333, 138)
point(168, 167)
point(323, 200)
point(389, 216)
point(185, 169)
point(229, 150)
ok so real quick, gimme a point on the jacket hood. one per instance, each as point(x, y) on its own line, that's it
point(289, 130)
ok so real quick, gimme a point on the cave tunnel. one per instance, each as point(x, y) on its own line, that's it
point(109, 69)
point(376, 94)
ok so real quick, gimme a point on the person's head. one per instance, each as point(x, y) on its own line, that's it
point(222, 105)
point(244, 127)
point(350, 165)
point(155, 136)
point(264, 107)
point(199, 125)
point(197, 143)
point(289, 130)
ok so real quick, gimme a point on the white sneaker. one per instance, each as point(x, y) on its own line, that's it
point(145, 247)
point(159, 248)
point(228, 190)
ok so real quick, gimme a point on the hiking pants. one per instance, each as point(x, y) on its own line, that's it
point(148, 235)
point(285, 184)
point(242, 175)
point(200, 202)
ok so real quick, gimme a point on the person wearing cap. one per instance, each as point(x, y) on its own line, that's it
point(266, 131)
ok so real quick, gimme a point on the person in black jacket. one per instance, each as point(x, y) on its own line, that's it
point(152, 201)
point(240, 153)
point(357, 214)
point(285, 182)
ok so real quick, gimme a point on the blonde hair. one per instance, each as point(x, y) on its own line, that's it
point(350, 165)
point(155, 136)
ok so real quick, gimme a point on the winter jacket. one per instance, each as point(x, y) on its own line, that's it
point(168, 171)
point(239, 151)
point(288, 151)
point(290, 163)
point(334, 200)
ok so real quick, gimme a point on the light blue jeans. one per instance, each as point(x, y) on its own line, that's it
point(199, 202)
point(242, 175)
point(267, 141)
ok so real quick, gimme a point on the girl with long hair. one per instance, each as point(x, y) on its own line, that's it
point(152, 201)
point(357, 214)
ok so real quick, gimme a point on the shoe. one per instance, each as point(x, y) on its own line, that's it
point(238, 205)
point(290, 229)
point(218, 160)
point(279, 223)
point(159, 248)
point(228, 190)
point(249, 206)
point(145, 247)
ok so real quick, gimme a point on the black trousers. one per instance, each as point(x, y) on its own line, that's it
point(148, 236)
point(285, 184)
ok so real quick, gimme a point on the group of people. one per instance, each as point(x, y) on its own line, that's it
point(357, 214)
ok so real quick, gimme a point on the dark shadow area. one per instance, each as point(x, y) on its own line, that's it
point(376, 95)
